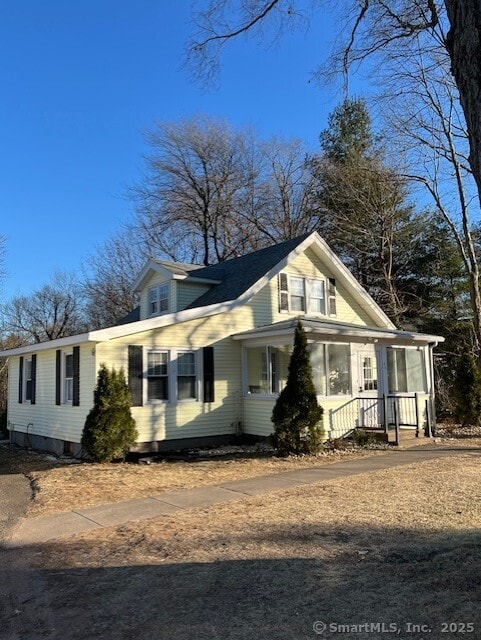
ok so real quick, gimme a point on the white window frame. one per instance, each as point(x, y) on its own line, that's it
point(181, 352)
point(158, 299)
point(311, 297)
point(424, 364)
point(150, 352)
point(286, 295)
point(171, 375)
point(27, 377)
point(67, 382)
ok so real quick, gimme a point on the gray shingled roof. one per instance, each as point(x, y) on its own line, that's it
point(239, 274)
point(178, 268)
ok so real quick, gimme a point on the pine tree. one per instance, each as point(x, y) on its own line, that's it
point(109, 429)
point(468, 390)
point(297, 416)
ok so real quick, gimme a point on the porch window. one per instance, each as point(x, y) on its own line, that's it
point(267, 369)
point(339, 369)
point(186, 376)
point(331, 370)
point(157, 375)
point(406, 371)
point(317, 353)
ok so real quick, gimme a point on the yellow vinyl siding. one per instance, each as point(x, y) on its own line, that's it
point(265, 304)
point(45, 418)
point(191, 418)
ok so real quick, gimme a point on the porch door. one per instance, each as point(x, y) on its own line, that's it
point(370, 405)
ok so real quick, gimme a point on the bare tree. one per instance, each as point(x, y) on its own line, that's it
point(198, 179)
point(374, 28)
point(111, 270)
point(285, 204)
point(51, 312)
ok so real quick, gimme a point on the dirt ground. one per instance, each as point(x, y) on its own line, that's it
point(399, 548)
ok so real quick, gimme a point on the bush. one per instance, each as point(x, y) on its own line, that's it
point(364, 438)
point(109, 429)
point(468, 391)
point(297, 416)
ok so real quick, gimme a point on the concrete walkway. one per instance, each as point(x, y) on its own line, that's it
point(42, 529)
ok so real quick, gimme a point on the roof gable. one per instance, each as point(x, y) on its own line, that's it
point(239, 275)
point(243, 277)
point(234, 283)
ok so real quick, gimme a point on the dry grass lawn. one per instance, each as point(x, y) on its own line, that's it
point(398, 547)
point(85, 485)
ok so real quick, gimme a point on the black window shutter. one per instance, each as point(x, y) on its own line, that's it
point(76, 377)
point(136, 371)
point(58, 377)
point(34, 378)
point(283, 292)
point(208, 366)
point(20, 380)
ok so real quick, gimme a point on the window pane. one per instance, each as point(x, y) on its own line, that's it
point(257, 379)
point(317, 289)
point(68, 390)
point(186, 387)
point(279, 359)
point(186, 364)
point(153, 300)
point(186, 376)
point(69, 366)
point(297, 286)
point(157, 388)
point(164, 297)
point(318, 363)
point(297, 304)
point(157, 363)
point(396, 370)
point(339, 369)
point(416, 380)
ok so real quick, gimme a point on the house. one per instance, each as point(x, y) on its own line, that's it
point(209, 351)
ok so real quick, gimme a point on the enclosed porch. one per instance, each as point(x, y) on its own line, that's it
point(376, 379)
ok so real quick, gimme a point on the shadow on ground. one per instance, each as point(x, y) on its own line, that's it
point(397, 577)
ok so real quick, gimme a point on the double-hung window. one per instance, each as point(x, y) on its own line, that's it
point(186, 376)
point(158, 299)
point(317, 303)
point(171, 375)
point(28, 380)
point(307, 295)
point(297, 301)
point(68, 378)
point(157, 375)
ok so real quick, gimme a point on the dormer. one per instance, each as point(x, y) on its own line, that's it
point(168, 287)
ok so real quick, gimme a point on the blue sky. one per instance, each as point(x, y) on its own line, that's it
point(80, 82)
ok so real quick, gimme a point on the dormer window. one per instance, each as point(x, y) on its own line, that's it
point(158, 299)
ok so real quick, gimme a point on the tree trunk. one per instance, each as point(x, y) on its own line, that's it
point(463, 44)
